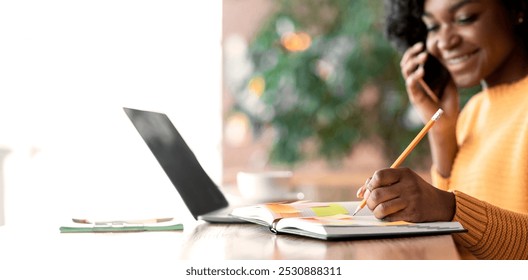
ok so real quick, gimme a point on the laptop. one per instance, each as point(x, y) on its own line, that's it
point(200, 194)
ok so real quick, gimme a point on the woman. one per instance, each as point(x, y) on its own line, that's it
point(479, 153)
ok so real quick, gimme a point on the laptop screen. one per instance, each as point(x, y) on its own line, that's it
point(198, 191)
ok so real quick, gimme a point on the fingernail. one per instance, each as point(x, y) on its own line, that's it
point(359, 192)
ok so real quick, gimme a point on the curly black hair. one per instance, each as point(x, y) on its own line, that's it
point(404, 27)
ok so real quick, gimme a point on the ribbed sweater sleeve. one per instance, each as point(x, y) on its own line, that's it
point(493, 233)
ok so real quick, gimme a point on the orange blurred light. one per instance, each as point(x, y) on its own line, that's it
point(257, 85)
point(296, 41)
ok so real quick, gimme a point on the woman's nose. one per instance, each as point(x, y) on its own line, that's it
point(448, 38)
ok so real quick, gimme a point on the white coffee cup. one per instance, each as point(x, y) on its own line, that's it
point(264, 185)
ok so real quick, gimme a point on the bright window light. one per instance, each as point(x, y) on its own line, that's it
point(66, 70)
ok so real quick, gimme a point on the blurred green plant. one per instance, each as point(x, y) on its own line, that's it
point(325, 78)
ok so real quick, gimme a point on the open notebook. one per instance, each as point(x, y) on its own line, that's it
point(333, 221)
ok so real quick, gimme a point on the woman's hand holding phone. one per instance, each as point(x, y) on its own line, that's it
point(442, 136)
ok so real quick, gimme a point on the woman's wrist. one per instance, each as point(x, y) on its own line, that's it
point(443, 150)
point(448, 206)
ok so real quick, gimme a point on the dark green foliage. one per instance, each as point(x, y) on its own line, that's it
point(318, 116)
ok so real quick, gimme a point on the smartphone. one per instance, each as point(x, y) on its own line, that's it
point(436, 75)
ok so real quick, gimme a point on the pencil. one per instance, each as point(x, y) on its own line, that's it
point(409, 149)
point(428, 90)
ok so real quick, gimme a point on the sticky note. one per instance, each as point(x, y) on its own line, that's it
point(329, 210)
point(347, 220)
point(283, 210)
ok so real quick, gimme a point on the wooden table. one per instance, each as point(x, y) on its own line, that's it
point(247, 241)
point(46, 253)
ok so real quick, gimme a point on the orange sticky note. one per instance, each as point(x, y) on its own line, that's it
point(283, 210)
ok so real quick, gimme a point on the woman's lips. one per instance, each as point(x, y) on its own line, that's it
point(457, 59)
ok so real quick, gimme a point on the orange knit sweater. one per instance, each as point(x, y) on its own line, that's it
point(490, 173)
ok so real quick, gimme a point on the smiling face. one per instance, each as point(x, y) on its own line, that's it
point(474, 40)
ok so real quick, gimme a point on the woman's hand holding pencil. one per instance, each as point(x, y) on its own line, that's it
point(404, 155)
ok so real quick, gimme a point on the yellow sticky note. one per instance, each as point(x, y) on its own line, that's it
point(329, 210)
